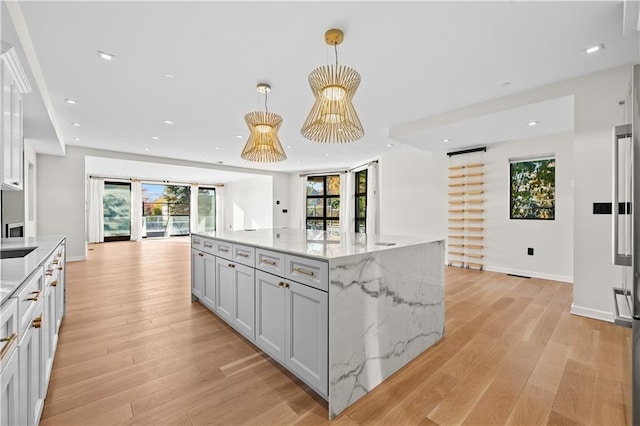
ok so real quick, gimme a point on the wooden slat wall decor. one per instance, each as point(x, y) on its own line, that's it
point(467, 176)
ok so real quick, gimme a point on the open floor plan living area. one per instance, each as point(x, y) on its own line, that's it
point(319, 212)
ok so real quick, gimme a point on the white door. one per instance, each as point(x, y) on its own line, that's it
point(270, 314)
point(307, 327)
point(197, 273)
point(225, 287)
point(209, 288)
point(9, 392)
point(244, 301)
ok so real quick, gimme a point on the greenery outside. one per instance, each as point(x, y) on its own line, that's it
point(533, 189)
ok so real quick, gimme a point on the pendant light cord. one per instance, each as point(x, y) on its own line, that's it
point(266, 93)
point(335, 47)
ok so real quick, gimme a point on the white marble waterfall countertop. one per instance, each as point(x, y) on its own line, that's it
point(14, 271)
point(321, 244)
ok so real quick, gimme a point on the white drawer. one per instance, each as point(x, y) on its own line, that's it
point(197, 242)
point(208, 246)
point(270, 261)
point(51, 268)
point(8, 330)
point(31, 292)
point(244, 254)
point(314, 273)
point(223, 249)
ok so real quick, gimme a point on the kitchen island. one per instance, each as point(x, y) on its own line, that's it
point(341, 311)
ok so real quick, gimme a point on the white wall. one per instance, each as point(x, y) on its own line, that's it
point(281, 194)
point(61, 193)
point(413, 196)
point(246, 201)
point(507, 240)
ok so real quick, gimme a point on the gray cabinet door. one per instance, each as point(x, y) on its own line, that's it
point(197, 273)
point(209, 287)
point(31, 370)
point(244, 300)
point(270, 314)
point(225, 288)
point(307, 334)
point(9, 395)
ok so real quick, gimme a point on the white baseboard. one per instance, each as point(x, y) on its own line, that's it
point(532, 274)
point(592, 313)
point(76, 258)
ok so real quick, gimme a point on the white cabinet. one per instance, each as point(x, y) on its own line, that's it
point(10, 390)
point(235, 296)
point(203, 279)
point(14, 85)
point(31, 369)
point(307, 334)
point(270, 314)
point(197, 273)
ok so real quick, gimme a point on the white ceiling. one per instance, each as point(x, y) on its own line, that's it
point(417, 59)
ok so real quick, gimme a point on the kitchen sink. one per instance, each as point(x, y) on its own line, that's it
point(15, 252)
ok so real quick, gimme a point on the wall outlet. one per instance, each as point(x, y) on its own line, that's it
point(530, 251)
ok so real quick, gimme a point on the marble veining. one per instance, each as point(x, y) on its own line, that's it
point(391, 303)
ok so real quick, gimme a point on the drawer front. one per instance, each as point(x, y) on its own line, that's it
point(51, 269)
point(244, 254)
point(197, 242)
point(208, 246)
point(8, 330)
point(314, 273)
point(30, 293)
point(223, 249)
point(270, 261)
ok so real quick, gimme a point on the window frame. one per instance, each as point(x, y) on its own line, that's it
point(325, 199)
point(357, 196)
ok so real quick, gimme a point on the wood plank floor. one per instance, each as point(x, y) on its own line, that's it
point(133, 349)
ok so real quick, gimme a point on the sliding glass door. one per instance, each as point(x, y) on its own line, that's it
point(117, 211)
point(165, 210)
point(206, 210)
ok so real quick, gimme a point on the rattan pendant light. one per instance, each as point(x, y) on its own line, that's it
point(263, 145)
point(333, 117)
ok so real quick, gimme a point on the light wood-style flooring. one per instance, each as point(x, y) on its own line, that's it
point(134, 349)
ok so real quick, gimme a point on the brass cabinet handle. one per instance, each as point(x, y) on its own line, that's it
point(60, 268)
point(33, 298)
point(224, 250)
point(302, 271)
point(243, 255)
point(49, 272)
point(7, 344)
point(197, 242)
point(37, 322)
point(268, 262)
point(54, 283)
point(208, 245)
point(200, 254)
point(283, 284)
point(231, 265)
point(55, 261)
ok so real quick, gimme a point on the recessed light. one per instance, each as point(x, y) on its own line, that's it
point(155, 138)
point(327, 154)
point(239, 136)
point(106, 56)
point(289, 146)
point(533, 123)
point(75, 124)
point(218, 147)
point(147, 149)
point(446, 140)
point(389, 145)
point(200, 156)
point(169, 122)
point(220, 162)
point(169, 75)
point(71, 101)
point(76, 139)
point(594, 49)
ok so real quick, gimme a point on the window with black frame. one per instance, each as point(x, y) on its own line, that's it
point(323, 202)
point(361, 201)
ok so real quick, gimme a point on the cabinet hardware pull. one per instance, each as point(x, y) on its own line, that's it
point(7, 344)
point(231, 265)
point(33, 299)
point(200, 254)
point(286, 285)
point(224, 250)
point(196, 242)
point(243, 255)
point(54, 284)
point(49, 272)
point(37, 293)
point(268, 262)
point(55, 261)
point(208, 245)
point(37, 322)
point(280, 284)
point(302, 271)
point(60, 268)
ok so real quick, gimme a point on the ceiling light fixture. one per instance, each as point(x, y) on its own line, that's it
point(239, 136)
point(446, 140)
point(155, 138)
point(106, 56)
point(333, 117)
point(169, 122)
point(532, 123)
point(147, 149)
point(76, 139)
point(71, 101)
point(75, 124)
point(263, 144)
point(218, 147)
point(594, 49)
point(389, 145)
point(169, 75)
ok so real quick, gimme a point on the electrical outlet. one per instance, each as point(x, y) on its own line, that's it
point(530, 251)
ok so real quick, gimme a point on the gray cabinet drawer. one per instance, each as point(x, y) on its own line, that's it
point(223, 249)
point(270, 261)
point(314, 273)
point(8, 330)
point(197, 242)
point(244, 254)
point(28, 296)
point(208, 246)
